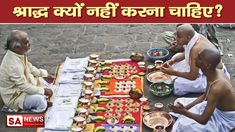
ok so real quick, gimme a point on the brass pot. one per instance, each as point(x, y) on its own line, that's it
point(135, 56)
point(135, 93)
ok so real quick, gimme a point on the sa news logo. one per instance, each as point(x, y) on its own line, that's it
point(25, 120)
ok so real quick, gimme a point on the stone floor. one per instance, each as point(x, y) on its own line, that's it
point(51, 43)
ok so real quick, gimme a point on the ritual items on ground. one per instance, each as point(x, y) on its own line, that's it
point(135, 56)
point(161, 89)
point(112, 120)
point(122, 127)
point(158, 64)
point(94, 57)
point(74, 65)
point(123, 71)
point(93, 63)
point(150, 68)
point(91, 70)
point(135, 93)
point(100, 129)
point(158, 54)
point(88, 85)
point(84, 103)
point(157, 117)
point(80, 121)
point(119, 77)
point(89, 77)
point(159, 128)
point(146, 107)
point(123, 87)
point(76, 129)
point(157, 76)
point(82, 112)
point(119, 111)
point(89, 94)
point(158, 106)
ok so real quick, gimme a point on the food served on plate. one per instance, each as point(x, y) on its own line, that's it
point(157, 76)
point(162, 88)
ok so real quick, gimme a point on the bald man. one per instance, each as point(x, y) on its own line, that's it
point(214, 111)
point(21, 84)
point(188, 78)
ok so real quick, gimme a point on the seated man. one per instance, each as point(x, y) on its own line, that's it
point(213, 111)
point(188, 77)
point(21, 84)
point(207, 30)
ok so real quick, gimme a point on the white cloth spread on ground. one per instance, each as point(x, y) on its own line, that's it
point(182, 85)
point(220, 121)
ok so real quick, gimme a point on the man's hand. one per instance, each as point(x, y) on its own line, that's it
point(49, 78)
point(169, 62)
point(48, 92)
point(167, 68)
point(175, 48)
point(178, 108)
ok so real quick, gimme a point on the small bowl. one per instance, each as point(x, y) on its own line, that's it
point(158, 105)
point(150, 68)
point(94, 56)
point(76, 129)
point(143, 99)
point(146, 107)
point(141, 63)
point(158, 54)
point(158, 64)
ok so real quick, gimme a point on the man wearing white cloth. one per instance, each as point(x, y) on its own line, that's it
point(214, 111)
point(188, 78)
point(21, 85)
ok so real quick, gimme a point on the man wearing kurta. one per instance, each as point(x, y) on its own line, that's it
point(21, 83)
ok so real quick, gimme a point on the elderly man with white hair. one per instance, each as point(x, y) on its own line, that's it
point(189, 78)
point(21, 83)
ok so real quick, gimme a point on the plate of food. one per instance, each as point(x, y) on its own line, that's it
point(157, 117)
point(161, 89)
point(157, 76)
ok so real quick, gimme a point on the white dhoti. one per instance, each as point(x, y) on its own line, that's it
point(35, 102)
point(220, 121)
point(183, 86)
